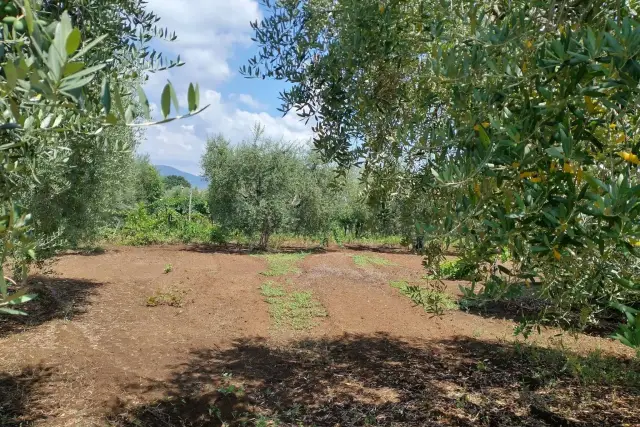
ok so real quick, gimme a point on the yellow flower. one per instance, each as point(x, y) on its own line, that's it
point(528, 44)
point(527, 174)
point(381, 9)
point(515, 165)
point(556, 254)
point(536, 179)
point(612, 126)
point(485, 124)
point(621, 137)
point(476, 189)
point(629, 157)
point(553, 167)
point(634, 242)
point(580, 175)
point(476, 128)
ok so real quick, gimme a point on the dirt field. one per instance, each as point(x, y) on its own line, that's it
point(94, 353)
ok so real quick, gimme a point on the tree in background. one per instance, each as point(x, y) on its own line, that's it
point(513, 122)
point(149, 185)
point(253, 185)
point(171, 181)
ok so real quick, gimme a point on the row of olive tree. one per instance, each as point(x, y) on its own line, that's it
point(260, 187)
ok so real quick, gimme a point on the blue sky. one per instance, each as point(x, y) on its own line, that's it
point(214, 40)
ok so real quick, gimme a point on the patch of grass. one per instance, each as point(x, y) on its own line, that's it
point(168, 268)
point(455, 270)
point(296, 310)
point(364, 260)
point(281, 264)
point(171, 297)
point(432, 300)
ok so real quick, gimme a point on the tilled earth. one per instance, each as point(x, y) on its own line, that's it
point(93, 352)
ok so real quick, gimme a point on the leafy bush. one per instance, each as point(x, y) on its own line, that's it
point(164, 226)
point(458, 270)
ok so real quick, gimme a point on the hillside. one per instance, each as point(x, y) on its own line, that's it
point(194, 180)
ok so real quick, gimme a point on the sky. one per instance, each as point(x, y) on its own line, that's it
point(214, 40)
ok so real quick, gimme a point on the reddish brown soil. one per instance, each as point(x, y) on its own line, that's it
point(92, 353)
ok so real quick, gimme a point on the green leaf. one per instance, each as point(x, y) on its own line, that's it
point(174, 97)
point(47, 120)
point(191, 97)
point(486, 141)
point(10, 74)
point(105, 97)
point(87, 47)
point(73, 41)
point(118, 100)
point(12, 311)
point(28, 14)
point(72, 68)
point(144, 103)
point(165, 100)
point(555, 152)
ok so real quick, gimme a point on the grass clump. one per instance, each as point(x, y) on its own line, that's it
point(456, 270)
point(168, 268)
point(433, 300)
point(281, 264)
point(171, 297)
point(365, 260)
point(296, 310)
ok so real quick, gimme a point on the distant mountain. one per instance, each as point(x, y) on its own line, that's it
point(194, 180)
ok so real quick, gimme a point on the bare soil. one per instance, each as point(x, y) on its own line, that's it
point(93, 353)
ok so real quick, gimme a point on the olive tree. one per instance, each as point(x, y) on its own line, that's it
point(58, 85)
point(253, 186)
point(516, 120)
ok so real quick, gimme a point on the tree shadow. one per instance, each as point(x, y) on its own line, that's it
point(379, 380)
point(529, 309)
point(383, 249)
point(17, 394)
point(58, 298)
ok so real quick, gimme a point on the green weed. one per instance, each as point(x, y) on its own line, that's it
point(296, 310)
point(456, 270)
point(168, 268)
point(281, 264)
point(172, 298)
point(365, 260)
point(432, 300)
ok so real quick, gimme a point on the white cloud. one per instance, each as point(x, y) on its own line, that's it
point(179, 144)
point(207, 31)
point(247, 100)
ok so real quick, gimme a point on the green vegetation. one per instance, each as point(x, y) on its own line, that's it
point(492, 124)
point(172, 297)
point(71, 103)
point(365, 260)
point(172, 181)
point(457, 270)
point(168, 268)
point(281, 264)
point(297, 310)
point(432, 300)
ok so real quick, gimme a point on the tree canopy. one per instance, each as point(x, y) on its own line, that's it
point(512, 124)
point(71, 104)
point(171, 181)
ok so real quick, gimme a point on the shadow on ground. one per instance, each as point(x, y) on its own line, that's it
point(58, 298)
point(17, 393)
point(377, 380)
